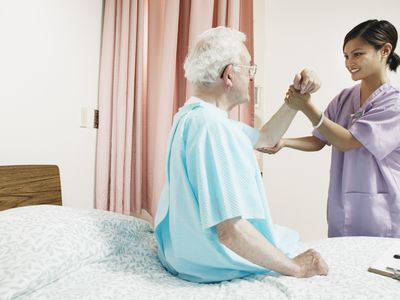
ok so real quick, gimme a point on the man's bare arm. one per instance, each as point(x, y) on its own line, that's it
point(276, 127)
point(242, 238)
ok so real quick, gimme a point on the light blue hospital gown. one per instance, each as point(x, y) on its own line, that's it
point(212, 175)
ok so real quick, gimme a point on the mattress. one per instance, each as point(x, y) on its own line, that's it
point(52, 252)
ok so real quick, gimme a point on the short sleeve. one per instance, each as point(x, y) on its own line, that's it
point(251, 133)
point(379, 129)
point(222, 173)
point(330, 113)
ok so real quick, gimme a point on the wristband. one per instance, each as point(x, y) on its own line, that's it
point(320, 121)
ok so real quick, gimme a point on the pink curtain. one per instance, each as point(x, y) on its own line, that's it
point(142, 85)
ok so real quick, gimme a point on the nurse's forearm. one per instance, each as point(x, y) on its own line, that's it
point(338, 136)
point(306, 143)
point(276, 127)
point(243, 239)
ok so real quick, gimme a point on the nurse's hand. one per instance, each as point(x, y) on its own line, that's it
point(306, 82)
point(311, 263)
point(274, 149)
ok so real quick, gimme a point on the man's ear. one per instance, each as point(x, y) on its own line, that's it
point(227, 76)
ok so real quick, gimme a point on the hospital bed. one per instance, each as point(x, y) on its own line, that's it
point(50, 251)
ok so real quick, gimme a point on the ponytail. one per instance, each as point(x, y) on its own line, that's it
point(394, 62)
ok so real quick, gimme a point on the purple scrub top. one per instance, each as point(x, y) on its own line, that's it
point(364, 189)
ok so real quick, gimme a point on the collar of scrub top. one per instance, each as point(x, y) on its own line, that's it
point(197, 101)
point(360, 111)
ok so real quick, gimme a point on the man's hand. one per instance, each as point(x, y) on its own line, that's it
point(311, 263)
point(295, 100)
point(306, 82)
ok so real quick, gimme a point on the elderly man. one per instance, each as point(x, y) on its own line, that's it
point(213, 221)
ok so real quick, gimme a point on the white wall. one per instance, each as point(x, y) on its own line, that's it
point(289, 36)
point(49, 64)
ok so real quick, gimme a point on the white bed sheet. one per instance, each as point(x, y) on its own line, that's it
point(51, 252)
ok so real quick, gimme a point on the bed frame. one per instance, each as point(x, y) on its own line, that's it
point(29, 185)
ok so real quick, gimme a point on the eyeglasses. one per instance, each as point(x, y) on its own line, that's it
point(252, 69)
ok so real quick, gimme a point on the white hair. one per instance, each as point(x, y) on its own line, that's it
point(215, 49)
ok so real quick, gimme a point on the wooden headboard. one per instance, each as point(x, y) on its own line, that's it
point(29, 185)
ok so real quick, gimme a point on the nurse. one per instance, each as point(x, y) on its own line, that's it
point(213, 221)
point(363, 125)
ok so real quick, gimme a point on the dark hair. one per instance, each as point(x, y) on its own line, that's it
point(377, 33)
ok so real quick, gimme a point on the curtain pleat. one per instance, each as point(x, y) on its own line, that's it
point(142, 85)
